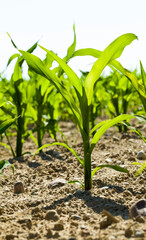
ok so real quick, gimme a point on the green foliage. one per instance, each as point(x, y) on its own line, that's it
point(84, 94)
point(4, 164)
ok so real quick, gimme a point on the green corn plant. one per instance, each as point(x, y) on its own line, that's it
point(42, 109)
point(84, 92)
point(138, 132)
point(19, 91)
point(121, 95)
point(3, 126)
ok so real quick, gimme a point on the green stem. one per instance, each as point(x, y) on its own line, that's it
point(19, 134)
point(39, 122)
point(10, 144)
point(86, 143)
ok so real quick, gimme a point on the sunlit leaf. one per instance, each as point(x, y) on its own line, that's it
point(107, 125)
point(61, 144)
point(113, 51)
point(114, 167)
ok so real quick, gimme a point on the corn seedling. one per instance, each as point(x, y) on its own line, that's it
point(20, 94)
point(84, 92)
point(5, 163)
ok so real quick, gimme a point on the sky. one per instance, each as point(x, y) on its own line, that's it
point(97, 23)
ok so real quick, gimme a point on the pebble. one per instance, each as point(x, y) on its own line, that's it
point(18, 187)
point(52, 215)
point(138, 233)
point(59, 182)
point(75, 217)
point(141, 155)
point(58, 227)
point(115, 138)
point(108, 160)
point(26, 222)
point(138, 208)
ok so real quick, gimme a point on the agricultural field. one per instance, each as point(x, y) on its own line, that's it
point(72, 147)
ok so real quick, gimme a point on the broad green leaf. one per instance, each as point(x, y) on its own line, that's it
point(70, 73)
point(6, 124)
point(5, 145)
point(71, 49)
point(143, 74)
point(64, 145)
point(114, 50)
point(130, 76)
point(37, 65)
point(114, 64)
point(78, 182)
point(16, 55)
point(141, 169)
point(87, 52)
point(97, 126)
point(17, 75)
point(107, 125)
point(4, 164)
point(115, 167)
point(30, 50)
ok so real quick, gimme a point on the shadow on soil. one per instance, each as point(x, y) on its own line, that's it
point(97, 204)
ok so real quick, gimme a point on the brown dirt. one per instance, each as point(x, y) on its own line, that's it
point(65, 211)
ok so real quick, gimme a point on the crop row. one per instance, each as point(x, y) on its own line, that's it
point(56, 93)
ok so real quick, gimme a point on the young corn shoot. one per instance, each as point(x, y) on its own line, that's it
point(84, 92)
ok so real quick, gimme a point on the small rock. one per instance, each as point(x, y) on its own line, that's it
point(138, 208)
point(86, 217)
point(138, 233)
point(10, 236)
point(140, 219)
point(49, 233)
point(128, 232)
point(141, 155)
point(75, 217)
point(132, 159)
point(108, 160)
point(85, 233)
point(71, 238)
point(26, 222)
point(59, 182)
point(115, 138)
point(58, 227)
point(18, 187)
point(52, 215)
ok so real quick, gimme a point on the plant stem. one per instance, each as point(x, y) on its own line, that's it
point(86, 143)
point(19, 135)
point(39, 122)
point(10, 144)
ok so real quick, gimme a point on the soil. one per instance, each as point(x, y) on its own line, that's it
point(51, 208)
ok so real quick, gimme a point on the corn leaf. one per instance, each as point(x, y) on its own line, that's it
point(78, 182)
point(16, 55)
point(97, 126)
point(115, 167)
point(143, 74)
point(71, 49)
point(113, 51)
point(37, 65)
point(107, 125)
point(87, 52)
point(5, 145)
point(17, 75)
point(6, 124)
point(70, 73)
point(61, 144)
point(4, 164)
